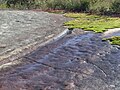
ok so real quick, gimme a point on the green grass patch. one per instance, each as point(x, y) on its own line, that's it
point(94, 23)
point(114, 40)
point(3, 6)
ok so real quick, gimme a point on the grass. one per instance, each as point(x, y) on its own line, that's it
point(114, 40)
point(3, 6)
point(92, 22)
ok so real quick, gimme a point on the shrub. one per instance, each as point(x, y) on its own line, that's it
point(72, 5)
point(116, 6)
point(3, 6)
point(68, 5)
point(84, 5)
point(20, 3)
point(91, 6)
point(100, 6)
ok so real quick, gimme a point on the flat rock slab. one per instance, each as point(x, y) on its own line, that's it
point(76, 62)
point(111, 32)
point(22, 29)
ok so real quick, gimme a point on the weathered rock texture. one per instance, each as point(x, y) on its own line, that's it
point(111, 32)
point(20, 30)
point(80, 61)
point(77, 62)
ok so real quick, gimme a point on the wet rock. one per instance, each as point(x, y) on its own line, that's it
point(76, 62)
point(80, 61)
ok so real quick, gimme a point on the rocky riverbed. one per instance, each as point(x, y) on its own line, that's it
point(79, 61)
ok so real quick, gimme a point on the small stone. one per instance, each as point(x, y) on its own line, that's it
point(83, 62)
point(3, 45)
point(70, 86)
point(118, 65)
point(113, 86)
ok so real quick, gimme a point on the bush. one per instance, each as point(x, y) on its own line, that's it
point(85, 4)
point(20, 4)
point(100, 6)
point(91, 6)
point(3, 6)
point(72, 5)
point(116, 6)
point(68, 5)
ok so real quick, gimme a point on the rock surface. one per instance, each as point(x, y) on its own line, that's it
point(76, 62)
point(80, 61)
point(21, 30)
point(111, 32)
